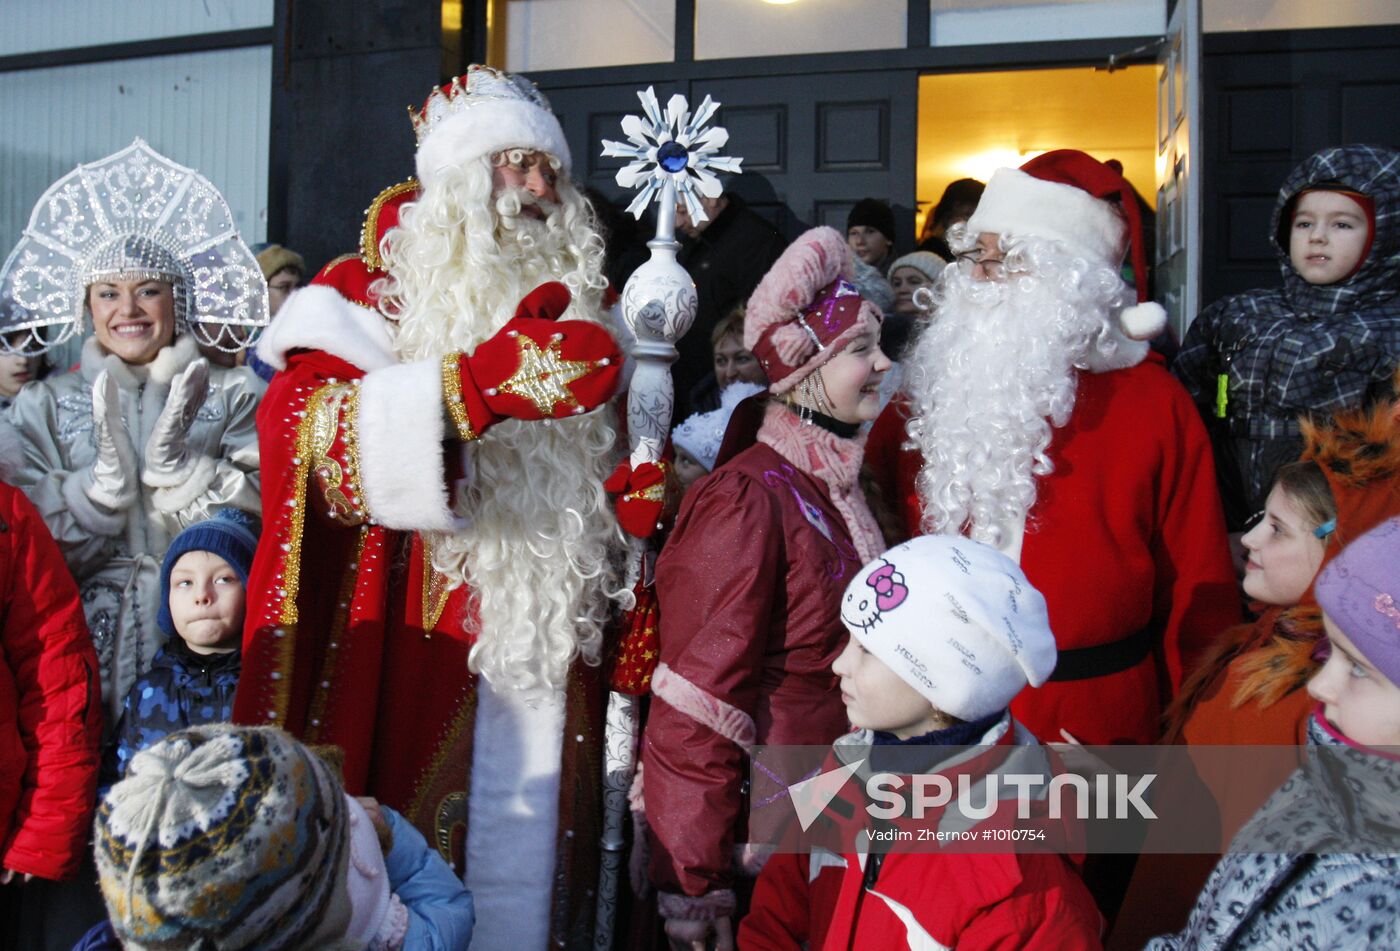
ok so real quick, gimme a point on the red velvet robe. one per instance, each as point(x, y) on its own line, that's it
point(1126, 533)
point(351, 638)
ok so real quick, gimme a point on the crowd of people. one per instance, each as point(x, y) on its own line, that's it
point(310, 642)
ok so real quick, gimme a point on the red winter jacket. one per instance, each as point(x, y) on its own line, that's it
point(972, 901)
point(50, 709)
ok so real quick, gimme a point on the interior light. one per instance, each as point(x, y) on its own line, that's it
point(981, 165)
point(779, 3)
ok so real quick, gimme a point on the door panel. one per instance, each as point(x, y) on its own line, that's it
point(812, 146)
point(1177, 268)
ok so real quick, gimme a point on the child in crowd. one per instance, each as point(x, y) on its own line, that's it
point(907, 274)
point(15, 371)
point(1327, 340)
point(193, 676)
point(241, 837)
point(697, 440)
point(944, 633)
point(1312, 894)
point(1249, 689)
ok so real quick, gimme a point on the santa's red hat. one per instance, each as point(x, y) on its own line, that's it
point(1064, 196)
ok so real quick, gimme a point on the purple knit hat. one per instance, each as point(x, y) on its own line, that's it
point(1360, 591)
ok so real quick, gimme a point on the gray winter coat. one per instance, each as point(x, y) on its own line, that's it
point(115, 556)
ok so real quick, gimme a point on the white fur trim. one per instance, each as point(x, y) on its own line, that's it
point(11, 450)
point(84, 511)
point(1143, 321)
point(193, 483)
point(401, 430)
point(719, 903)
point(1129, 353)
point(1017, 203)
point(514, 810)
point(488, 127)
point(161, 370)
point(705, 708)
point(318, 318)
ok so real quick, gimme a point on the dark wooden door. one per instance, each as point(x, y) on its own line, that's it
point(813, 144)
point(1271, 100)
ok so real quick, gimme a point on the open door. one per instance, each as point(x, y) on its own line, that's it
point(1178, 264)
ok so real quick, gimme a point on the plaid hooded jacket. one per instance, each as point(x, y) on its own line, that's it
point(1301, 348)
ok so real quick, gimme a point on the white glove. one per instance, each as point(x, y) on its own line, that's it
point(168, 458)
point(112, 479)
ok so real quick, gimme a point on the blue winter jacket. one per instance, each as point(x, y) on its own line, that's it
point(182, 689)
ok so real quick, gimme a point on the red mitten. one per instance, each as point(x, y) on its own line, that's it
point(536, 367)
point(641, 496)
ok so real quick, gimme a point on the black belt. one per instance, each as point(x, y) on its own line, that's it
point(1086, 663)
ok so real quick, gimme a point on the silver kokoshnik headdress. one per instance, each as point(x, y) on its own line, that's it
point(132, 216)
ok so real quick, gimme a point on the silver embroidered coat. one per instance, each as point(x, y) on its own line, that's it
point(115, 556)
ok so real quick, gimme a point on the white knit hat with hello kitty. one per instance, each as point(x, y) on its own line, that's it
point(956, 620)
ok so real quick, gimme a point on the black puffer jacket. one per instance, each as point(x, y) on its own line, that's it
point(1301, 348)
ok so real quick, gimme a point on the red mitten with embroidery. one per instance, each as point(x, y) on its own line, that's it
point(535, 367)
point(641, 496)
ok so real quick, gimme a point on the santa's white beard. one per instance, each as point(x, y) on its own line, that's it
point(542, 550)
point(989, 378)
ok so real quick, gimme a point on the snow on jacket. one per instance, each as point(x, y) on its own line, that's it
point(182, 689)
point(924, 901)
point(749, 584)
point(50, 709)
point(1301, 348)
point(115, 556)
point(1323, 900)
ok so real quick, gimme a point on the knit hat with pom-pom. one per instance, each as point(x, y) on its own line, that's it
point(225, 837)
point(806, 309)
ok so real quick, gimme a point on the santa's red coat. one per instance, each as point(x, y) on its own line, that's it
point(1126, 534)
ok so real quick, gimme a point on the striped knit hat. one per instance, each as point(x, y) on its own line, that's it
point(225, 837)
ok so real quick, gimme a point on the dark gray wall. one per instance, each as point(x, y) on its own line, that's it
point(343, 76)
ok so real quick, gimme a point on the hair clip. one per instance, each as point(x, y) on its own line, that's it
point(1326, 528)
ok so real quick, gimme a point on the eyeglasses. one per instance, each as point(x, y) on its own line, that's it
point(992, 268)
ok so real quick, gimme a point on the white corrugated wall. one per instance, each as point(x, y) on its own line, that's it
point(210, 111)
point(34, 25)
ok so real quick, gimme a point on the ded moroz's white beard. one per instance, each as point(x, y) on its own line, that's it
point(992, 375)
point(542, 550)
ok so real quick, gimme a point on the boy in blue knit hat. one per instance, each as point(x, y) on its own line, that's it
point(193, 676)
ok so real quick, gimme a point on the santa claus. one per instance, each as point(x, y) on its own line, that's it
point(1037, 420)
point(442, 559)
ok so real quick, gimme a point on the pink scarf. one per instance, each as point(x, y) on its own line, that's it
point(833, 460)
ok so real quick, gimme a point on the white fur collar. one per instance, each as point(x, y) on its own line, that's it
point(318, 318)
point(1128, 353)
point(168, 362)
point(11, 450)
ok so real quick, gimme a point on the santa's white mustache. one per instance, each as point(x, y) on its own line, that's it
point(513, 200)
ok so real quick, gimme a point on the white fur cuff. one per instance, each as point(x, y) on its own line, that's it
point(187, 486)
point(85, 512)
point(400, 430)
point(707, 907)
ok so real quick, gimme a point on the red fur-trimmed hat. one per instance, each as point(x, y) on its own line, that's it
point(1064, 195)
point(805, 310)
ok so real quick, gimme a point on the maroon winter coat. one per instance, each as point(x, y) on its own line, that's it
point(50, 704)
point(750, 584)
